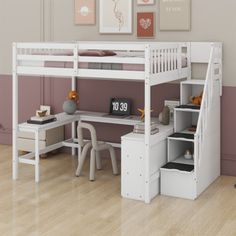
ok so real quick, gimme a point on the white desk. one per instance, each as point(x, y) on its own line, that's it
point(62, 119)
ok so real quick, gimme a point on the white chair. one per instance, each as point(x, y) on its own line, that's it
point(96, 147)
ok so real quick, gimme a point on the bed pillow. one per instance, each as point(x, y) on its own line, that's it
point(109, 53)
point(97, 53)
point(92, 53)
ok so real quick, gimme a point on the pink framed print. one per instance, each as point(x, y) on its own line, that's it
point(145, 2)
point(85, 12)
point(145, 24)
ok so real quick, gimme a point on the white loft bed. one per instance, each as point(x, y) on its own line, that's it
point(161, 63)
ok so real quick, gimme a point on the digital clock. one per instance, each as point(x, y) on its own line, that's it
point(120, 106)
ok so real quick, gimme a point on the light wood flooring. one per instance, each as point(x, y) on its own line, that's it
point(65, 205)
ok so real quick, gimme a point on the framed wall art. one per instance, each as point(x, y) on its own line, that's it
point(145, 24)
point(175, 14)
point(115, 16)
point(85, 12)
point(145, 2)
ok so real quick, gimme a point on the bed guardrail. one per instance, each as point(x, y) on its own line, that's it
point(63, 59)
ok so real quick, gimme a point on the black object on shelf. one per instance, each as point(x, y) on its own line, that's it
point(182, 135)
point(178, 166)
point(37, 122)
point(194, 107)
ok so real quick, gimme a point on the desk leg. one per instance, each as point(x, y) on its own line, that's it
point(73, 134)
point(36, 157)
point(15, 157)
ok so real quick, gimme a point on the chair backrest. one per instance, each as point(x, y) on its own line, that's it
point(92, 131)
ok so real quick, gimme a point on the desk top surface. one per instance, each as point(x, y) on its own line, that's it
point(63, 119)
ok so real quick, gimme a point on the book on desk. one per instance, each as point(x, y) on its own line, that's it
point(41, 120)
point(139, 128)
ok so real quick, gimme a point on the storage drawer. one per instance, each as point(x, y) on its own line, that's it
point(26, 139)
point(28, 145)
point(30, 135)
point(178, 183)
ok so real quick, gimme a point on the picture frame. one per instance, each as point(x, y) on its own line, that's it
point(85, 12)
point(175, 15)
point(145, 2)
point(115, 16)
point(145, 24)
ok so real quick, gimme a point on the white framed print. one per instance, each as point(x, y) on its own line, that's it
point(115, 16)
point(145, 2)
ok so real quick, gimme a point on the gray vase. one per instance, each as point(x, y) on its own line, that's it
point(69, 107)
point(164, 116)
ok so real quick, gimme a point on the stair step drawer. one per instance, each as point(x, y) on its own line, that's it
point(178, 181)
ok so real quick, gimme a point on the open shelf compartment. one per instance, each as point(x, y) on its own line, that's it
point(190, 88)
point(177, 176)
point(184, 120)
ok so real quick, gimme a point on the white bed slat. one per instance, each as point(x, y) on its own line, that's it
point(115, 74)
point(44, 58)
point(62, 46)
point(112, 59)
point(48, 71)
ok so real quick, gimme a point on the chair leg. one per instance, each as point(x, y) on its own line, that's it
point(92, 165)
point(79, 154)
point(98, 160)
point(82, 158)
point(113, 161)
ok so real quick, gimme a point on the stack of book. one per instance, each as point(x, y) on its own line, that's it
point(140, 128)
point(41, 120)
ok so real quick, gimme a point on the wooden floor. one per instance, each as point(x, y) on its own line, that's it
point(65, 205)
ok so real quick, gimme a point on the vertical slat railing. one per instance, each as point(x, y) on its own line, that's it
point(165, 59)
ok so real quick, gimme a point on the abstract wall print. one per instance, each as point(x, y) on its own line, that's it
point(145, 2)
point(115, 16)
point(85, 12)
point(145, 24)
point(175, 14)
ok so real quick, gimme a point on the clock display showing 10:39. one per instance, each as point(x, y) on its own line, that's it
point(120, 106)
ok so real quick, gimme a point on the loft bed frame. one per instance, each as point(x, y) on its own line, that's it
point(161, 63)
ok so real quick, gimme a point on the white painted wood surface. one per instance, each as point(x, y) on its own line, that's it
point(206, 142)
point(162, 63)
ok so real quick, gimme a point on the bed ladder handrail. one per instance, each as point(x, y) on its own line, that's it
point(214, 73)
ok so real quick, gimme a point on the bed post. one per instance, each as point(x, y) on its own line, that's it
point(73, 87)
point(189, 64)
point(15, 158)
point(147, 107)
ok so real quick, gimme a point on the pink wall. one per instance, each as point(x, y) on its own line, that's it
point(95, 95)
point(228, 131)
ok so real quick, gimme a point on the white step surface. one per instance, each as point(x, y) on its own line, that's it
point(187, 110)
point(194, 81)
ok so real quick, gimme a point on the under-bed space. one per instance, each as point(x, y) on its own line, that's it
point(122, 61)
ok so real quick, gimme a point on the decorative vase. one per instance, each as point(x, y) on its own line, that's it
point(164, 116)
point(69, 107)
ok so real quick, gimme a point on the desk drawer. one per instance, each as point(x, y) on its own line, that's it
point(49, 137)
point(29, 144)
